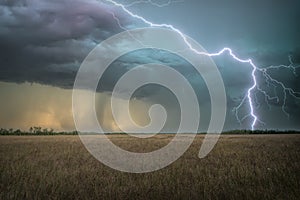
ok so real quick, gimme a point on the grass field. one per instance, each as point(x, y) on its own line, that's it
point(239, 167)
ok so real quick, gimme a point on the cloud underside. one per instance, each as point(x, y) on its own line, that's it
point(46, 41)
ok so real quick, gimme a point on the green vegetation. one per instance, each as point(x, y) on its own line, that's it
point(239, 167)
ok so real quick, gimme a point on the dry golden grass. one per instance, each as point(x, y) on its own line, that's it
point(239, 167)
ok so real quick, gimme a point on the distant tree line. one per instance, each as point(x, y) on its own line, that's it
point(260, 132)
point(35, 130)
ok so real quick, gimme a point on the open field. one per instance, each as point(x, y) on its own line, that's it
point(239, 167)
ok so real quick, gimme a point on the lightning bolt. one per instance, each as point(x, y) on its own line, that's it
point(264, 71)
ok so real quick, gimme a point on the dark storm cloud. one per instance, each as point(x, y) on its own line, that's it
point(45, 41)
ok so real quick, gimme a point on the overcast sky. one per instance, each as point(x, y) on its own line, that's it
point(43, 43)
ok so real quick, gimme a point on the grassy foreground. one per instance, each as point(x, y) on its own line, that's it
point(239, 167)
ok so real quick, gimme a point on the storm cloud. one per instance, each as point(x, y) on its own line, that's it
point(45, 41)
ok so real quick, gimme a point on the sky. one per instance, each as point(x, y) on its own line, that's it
point(44, 42)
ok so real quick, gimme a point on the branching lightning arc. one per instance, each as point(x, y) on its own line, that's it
point(255, 70)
